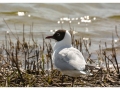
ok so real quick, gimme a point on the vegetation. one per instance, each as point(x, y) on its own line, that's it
point(25, 65)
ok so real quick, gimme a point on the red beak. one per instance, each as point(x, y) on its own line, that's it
point(49, 37)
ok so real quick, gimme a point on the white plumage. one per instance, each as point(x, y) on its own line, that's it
point(68, 59)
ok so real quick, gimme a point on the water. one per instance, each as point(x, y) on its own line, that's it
point(45, 17)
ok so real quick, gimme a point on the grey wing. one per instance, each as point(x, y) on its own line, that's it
point(69, 59)
point(61, 63)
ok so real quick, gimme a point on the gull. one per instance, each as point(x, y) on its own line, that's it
point(66, 58)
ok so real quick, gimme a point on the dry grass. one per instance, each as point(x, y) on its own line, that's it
point(26, 65)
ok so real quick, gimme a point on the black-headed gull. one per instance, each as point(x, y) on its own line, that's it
point(67, 59)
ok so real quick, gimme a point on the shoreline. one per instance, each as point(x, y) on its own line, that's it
point(36, 58)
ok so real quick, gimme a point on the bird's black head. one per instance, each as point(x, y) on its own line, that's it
point(58, 35)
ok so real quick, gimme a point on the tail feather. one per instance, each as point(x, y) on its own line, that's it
point(86, 73)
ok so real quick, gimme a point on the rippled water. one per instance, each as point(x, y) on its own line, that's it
point(45, 16)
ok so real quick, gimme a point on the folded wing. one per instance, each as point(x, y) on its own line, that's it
point(69, 59)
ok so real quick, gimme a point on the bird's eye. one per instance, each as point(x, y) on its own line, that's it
point(58, 34)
